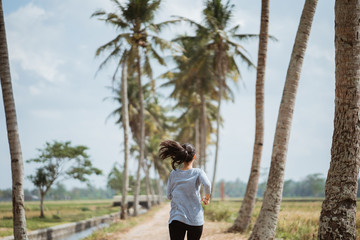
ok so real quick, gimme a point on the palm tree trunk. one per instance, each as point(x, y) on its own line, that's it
point(243, 219)
point(218, 118)
point(147, 185)
point(17, 167)
point(152, 191)
point(159, 189)
point(338, 213)
point(197, 139)
point(265, 225)
point(142, 137)
point(42, 196)
point(125, 113)
point(203, 131)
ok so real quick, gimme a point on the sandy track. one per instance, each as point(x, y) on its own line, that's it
point(157, 229)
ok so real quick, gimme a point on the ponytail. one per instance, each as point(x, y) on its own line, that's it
point(178, 153)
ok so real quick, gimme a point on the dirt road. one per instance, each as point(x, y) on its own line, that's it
point(157, 229)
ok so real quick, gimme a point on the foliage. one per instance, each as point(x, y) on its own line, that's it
point(115, 177)
point(60, 160)
point(217, 212)
point(313, 185)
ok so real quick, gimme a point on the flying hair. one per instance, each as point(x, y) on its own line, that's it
point(178, 153)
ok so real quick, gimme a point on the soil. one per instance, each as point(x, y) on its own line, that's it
point(157, 229)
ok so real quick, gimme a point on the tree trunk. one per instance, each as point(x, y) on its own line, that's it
point(42, 196)
point(203, 131)
point(125, 113)
point(243, 219)
point(152, 191)
point(17, 167)
point(265, 225)
point(142, 137)
point(218, 118)
point(197, 140)
point(338, 213)
point(160, 192)
point(147, 185)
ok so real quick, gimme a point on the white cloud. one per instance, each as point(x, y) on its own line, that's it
point(31, 42)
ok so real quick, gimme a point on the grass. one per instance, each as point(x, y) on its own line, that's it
point(297, 220)
point(56, 212)
point(122, 225)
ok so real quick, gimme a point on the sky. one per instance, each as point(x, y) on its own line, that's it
point(59, 96)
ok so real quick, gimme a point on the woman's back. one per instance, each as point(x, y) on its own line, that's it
point(184, 193)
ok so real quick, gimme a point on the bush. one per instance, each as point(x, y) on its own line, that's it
point(218, 212)
point(55, 216)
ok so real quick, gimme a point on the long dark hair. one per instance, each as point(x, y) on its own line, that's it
point(178, 153)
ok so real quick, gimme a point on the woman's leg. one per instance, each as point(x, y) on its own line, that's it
point(194, 232)
point(177, 230)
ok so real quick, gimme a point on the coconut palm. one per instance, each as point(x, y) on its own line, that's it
point(266, 222)
point(17, 167)
point(220, 40)
point(338, 213)
point(193, 86)
point(156, 124)
point(134, 20)
point(242, 221)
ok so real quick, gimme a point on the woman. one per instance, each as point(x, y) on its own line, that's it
point(187, 214)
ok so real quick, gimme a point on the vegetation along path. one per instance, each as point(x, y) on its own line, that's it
point(157, 228)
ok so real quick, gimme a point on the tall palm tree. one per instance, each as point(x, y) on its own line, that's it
point(266, 222)
point(242, 221)
point(17, 167)
point(193, 85)
point(220, 40)
point(338, 213)
point(138, 32)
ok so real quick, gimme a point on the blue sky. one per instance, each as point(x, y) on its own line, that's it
point(52, 46)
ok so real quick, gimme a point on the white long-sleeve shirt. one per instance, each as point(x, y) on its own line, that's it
point(183, 190)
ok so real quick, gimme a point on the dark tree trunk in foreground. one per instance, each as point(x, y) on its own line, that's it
point(338, 213)
point(266, 223)
point(243, 219)
point(17, 165)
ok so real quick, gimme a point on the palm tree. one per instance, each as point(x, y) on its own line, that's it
point(135, 21)
point(219, 41)
point(17, 167)
point(266, 222)
point(193, 85)
point(242, 221)
point(338, 213)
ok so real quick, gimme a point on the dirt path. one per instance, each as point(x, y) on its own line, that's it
point(157, 229)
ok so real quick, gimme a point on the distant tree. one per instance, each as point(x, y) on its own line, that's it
point(60, 160)
point(17, 166)
point(115, 180)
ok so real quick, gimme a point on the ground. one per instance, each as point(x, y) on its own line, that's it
point(157, 229)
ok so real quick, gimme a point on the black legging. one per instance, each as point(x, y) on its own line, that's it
point(178, 229)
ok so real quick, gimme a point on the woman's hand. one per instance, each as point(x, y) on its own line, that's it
point(206, 199)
